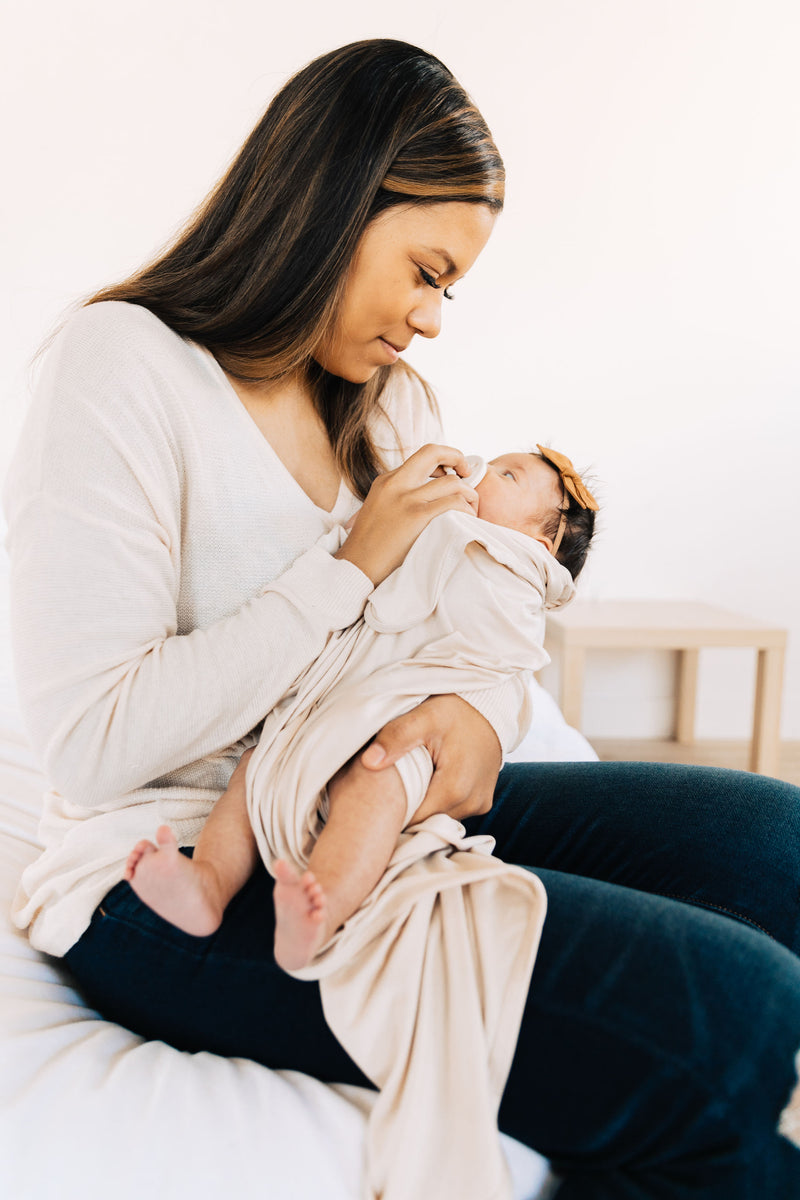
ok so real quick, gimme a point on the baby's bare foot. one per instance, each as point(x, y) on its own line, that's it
point(181, 891)
point(300, 912)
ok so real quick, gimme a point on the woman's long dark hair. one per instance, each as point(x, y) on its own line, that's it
point(257, 274)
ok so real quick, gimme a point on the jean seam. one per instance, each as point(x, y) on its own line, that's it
point(147, 931)
point(197, 952)
point(730, 912)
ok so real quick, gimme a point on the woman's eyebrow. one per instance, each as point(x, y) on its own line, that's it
point(450, 266)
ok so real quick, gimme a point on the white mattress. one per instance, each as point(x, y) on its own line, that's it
point(89, 1110)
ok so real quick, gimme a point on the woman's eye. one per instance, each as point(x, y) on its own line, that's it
point(431, 282)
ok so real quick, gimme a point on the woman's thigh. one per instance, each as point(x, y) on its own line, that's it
point(725, 840)
point(656, 1051)
point(223, 993)
point(654, 1054)
point(657, 1042)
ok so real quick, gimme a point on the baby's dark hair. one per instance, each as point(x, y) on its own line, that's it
point(578, 530)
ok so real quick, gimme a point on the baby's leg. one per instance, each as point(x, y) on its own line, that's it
point(193, 893)
point(367, 810)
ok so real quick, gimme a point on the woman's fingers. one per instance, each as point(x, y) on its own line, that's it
point(431, 490)
point(443, 488)
point(458, 796)
point(429, 459)
point(397, 738)
point(401, 503)
point(463, 746)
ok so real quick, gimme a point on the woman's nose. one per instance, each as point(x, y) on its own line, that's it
point(426, 316)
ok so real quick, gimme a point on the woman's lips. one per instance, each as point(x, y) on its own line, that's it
point(392, 351)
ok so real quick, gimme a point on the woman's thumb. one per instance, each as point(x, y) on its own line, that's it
point(404, 733)
point(374, 755)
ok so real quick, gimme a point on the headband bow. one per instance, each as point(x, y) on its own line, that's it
point(573, 486)
point(569, 477)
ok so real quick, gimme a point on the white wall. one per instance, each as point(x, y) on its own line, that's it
point(638, 304)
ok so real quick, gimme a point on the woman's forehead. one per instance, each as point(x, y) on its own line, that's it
point(454, 231)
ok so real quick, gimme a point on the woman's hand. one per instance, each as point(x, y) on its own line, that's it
point(400, 504)
point(463, 745)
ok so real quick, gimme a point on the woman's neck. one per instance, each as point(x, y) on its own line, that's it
point(285, 413)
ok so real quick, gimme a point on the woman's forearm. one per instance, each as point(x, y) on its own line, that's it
point(113, 697)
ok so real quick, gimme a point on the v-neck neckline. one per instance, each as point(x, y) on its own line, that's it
point(344, 496)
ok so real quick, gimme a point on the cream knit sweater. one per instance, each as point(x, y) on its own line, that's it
point(166, 591)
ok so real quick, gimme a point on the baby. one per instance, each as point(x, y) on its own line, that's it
point(537, 495)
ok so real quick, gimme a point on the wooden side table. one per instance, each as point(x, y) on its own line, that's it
point(684, 626)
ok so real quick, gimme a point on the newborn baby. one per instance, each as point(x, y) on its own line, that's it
point(542, 501)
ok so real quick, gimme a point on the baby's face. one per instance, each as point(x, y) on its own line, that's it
point(519, 491)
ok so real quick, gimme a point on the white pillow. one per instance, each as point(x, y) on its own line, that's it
point(89, 1110)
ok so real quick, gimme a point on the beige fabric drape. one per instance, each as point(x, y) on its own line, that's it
point(425, 985)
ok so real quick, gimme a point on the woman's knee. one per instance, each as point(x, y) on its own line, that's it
point(725, 840)
point(754, 822)
point(656, 1036)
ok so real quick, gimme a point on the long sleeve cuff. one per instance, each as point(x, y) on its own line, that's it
point(507, 708)
point(330, 591)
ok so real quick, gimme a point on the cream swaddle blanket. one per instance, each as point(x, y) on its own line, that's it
point(425, 984)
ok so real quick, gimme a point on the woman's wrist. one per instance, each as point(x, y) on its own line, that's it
point(328, 587)
point(349, 554)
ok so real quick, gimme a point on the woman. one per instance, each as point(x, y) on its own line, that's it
point(195, 430)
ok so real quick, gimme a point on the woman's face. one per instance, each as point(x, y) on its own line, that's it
point(405, 260)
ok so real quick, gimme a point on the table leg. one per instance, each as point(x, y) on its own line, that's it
point(767, 712)
point(686, 696)
point(572, 663)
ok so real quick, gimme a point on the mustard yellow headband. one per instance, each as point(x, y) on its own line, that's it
point(573, 486)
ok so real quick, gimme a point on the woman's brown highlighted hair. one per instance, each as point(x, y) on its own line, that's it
point(257, 274)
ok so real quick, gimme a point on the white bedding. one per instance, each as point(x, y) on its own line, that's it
point(89, 1110)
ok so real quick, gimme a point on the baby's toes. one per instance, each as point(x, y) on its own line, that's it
point(313, 892)
point(135, 857)
point(284, 873)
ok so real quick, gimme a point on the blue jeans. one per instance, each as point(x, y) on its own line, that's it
point(657, 1046)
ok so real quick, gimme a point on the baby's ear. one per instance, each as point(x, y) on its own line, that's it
point(546, 542)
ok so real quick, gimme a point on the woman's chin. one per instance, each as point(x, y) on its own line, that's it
point(351, 372)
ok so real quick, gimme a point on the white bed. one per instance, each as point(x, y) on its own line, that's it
point(89, 1110)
